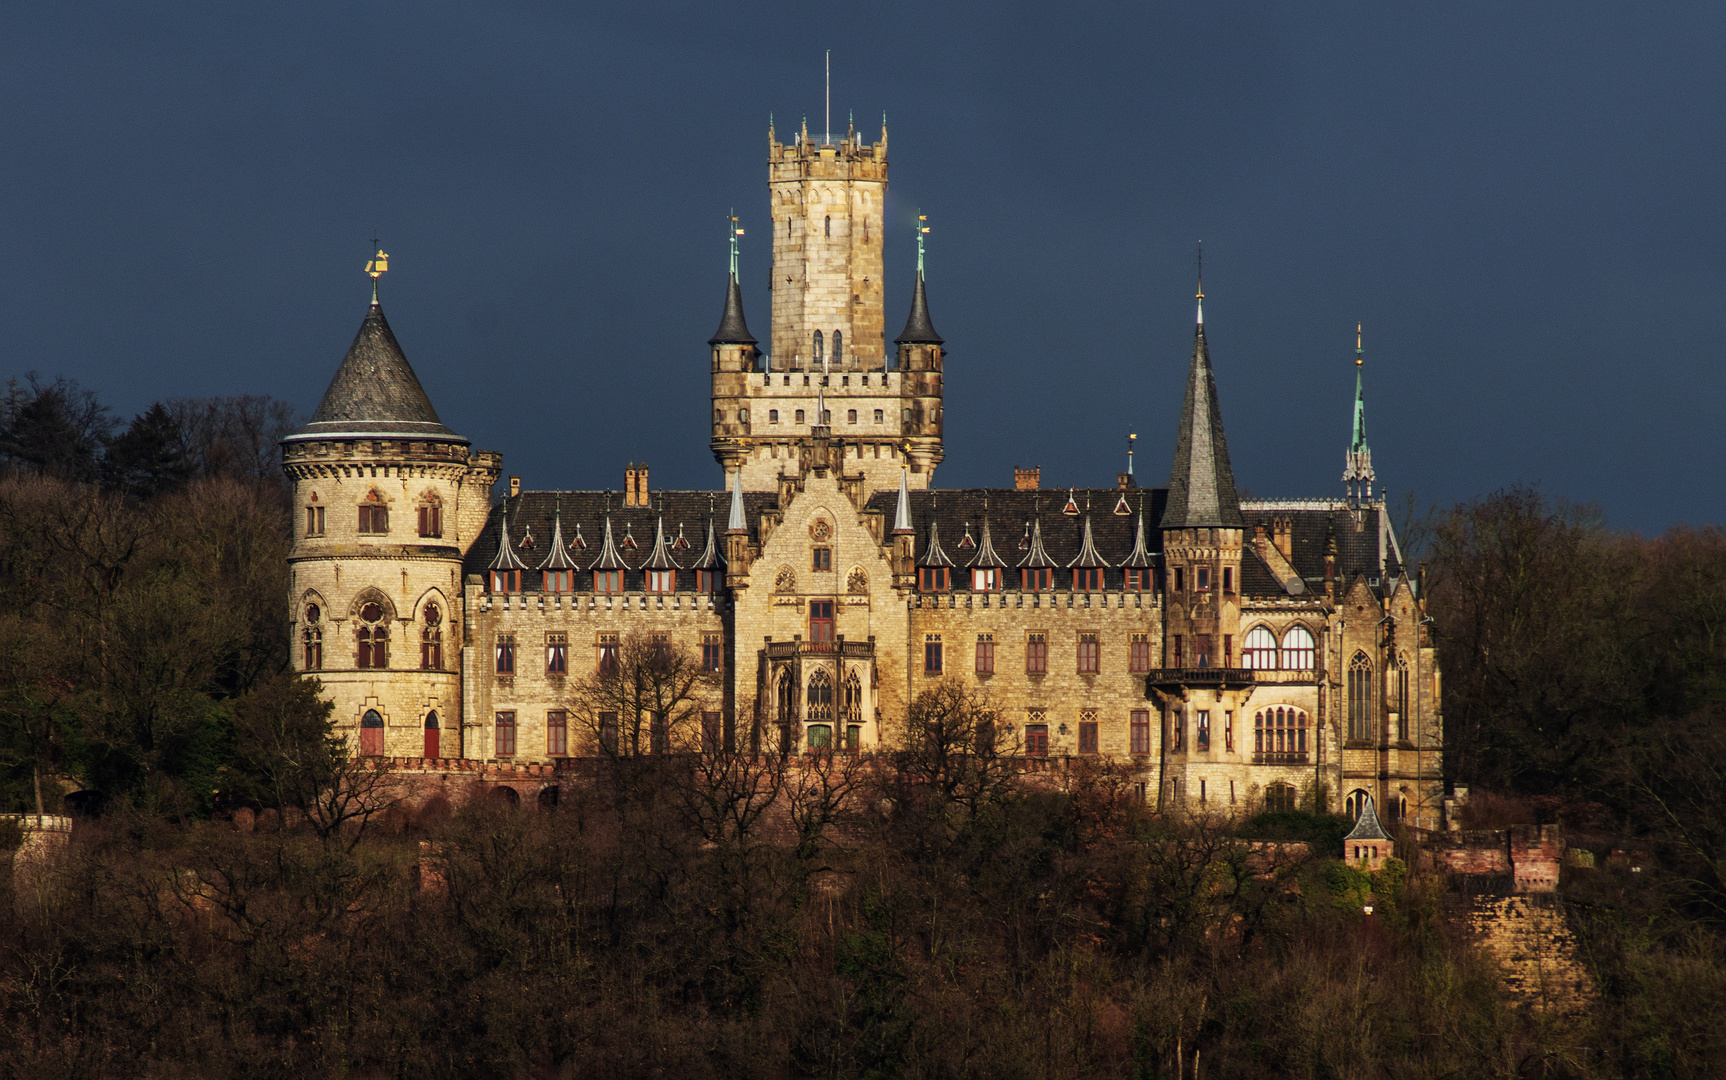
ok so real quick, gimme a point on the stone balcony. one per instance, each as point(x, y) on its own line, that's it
point(1173, 680)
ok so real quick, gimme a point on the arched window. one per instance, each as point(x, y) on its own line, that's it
point(431, 747)
point(818, 353)
point(431, 640)
point(1280, 731)
point(314, 639)
point(1399, 695)
point(1360, 698)
point(787, 698)
point(838, 346)
point(820, 700)
point(373, 636)
point(853, 699)
point(1260, 651)
point(1298, 649)
point(827, 224)
point(1280, 796)
point(372, 734)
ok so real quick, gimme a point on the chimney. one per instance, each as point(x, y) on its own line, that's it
point(641, 484)
point(1125, 481)
point(514, 486)
point(1281, 530)
point(1027, 479)
point(629, 484)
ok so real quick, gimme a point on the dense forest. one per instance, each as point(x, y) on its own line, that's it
point(913, 912)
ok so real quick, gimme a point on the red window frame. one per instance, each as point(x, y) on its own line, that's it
point(1203, 741)
point(1036, 579)
point(506, 656)
point(1087, 579)
point(1138, 579)
point(557, 733)
point(608, 581)
point(431, 520)
point(934, 579)
point(556, 654)
point(820, 621)
point(1036, 740)
point(709, 581)
point(985, 579)
point(1140, 727)
point(506, 581)
point(1090, 654)
point(712, 653)
point(1087, 736)
point(608, 652)
point(1036, 654)
point(504, 745)
point(558, 581)
point(985, 654)
point(932, 655)
point(1139, 657)
point(661, 581)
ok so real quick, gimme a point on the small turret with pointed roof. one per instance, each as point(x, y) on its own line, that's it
point(558, 557)
point(918, 329)
point(902, 510)
point(1201, 483)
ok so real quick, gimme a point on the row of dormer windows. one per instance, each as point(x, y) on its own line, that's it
point(1039, 579)
point(607, 581)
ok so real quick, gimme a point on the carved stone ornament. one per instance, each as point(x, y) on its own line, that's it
point(785, 581)
point(857, 582)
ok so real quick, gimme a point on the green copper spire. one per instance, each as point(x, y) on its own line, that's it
point(1357, 475)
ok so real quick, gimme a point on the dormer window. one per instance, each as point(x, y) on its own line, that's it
point(506, 581)
point(1088, 579)
point(1138, 579)
point(559, 581)
point(661, 581)
point(709, 581)
point(934, 579)
point(986, 579)
point(1037, 579)
point(608, 581)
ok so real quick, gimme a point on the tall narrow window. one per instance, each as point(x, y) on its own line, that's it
point(557, 653)
point(827, 225)
point(1202, 650)
point(1037, 736)
point(985, 654)
point(431, 519)
point(1228, 579)
point(1204, 734)
point(1141, 653)
point(1180, 579)
point(932, 654)
point(431, 640)
point(839, 349)
point(1036, 654)
point(820, 621)
point(1088, 731)
point(1229, 730)
point(1360, 698)
point(432, 749)
point(372, 734)
point(314, 521)
point(1202, 578)
point(314, 639)
point(1399, 696)
point(1089, 654)
point(819, 354)
point(1141, 731)
point(1175, 653)
point(712, 653)
point(505, 744)
point(1228, 650)
point(556, 733)
point(819, 700)
point(374, 516)
point(606, 648)
point(373, 637)
point(506, 654)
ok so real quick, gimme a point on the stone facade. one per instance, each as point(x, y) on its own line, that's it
point(1233, 654)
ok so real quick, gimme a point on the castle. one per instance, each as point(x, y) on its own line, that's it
point(1232, 653)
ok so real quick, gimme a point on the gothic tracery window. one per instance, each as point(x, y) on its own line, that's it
point(431, 640)
point(1360, 698)
point(313, 637)
point(372, 636)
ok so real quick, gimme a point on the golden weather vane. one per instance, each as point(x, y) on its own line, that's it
point(377, 267)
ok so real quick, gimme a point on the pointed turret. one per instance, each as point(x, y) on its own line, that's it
point(1201, 483)
point(1367, 826)
point(558, 557)
point(902, 512)
point(375, 391)
point(932, 554)
point(660, 558)
point(918, 329)
point(733, 330)
point(1088, 558)
point(711, 558)
point(1357, 475)
point(737, 522)
point(608, 559)
point(986, 556)
point(505, 559)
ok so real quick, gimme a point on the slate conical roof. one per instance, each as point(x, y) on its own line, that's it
point(375, 391)
point(1367, 827)
point(732, 329)
point(1202, 483)
point(918, 330)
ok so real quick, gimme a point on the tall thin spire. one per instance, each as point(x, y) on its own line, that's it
point(1202, 482)
point(737, 522)
point(902, 512)
point(1357, 474)
point(1201, 316)
point(733, 329)
point(918, 329)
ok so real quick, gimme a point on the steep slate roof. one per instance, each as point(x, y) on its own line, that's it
point(375, 391)
point(1367, 827)
point(585, 512)
point(918, 330)
point(1201, 483)
point(732, 329)
point(1312, 523)
point(932, 553)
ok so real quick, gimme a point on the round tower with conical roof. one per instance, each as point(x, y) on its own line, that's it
point(387, 501)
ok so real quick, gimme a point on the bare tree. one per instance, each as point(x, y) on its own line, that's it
point(957, 747)
point(645, 696)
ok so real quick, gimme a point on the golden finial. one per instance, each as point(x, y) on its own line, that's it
point(1357, 349)
point(377, 268)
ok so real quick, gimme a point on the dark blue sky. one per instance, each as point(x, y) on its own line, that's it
point(1521, 201)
